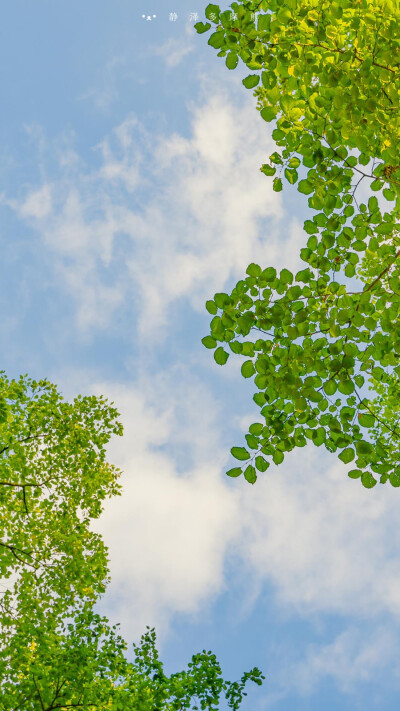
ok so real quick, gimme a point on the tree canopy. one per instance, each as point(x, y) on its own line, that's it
point(56, 652)
point(54, 478)
point(81, 663)
point(326, 75)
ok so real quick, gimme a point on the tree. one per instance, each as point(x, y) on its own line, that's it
point(326, 73)
point(53, 481)
point(81, 663)
point(56, 652)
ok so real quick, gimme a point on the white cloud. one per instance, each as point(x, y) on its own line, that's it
point(174, 50)
point(106, 92)
point(357, 661)
point(352, 658)
point(323, 541)
point(38, 203)
point(201, 208)
point(169, 532)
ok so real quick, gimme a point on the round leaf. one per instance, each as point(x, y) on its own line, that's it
point(240, 453)
point(236, 471)
point(250, 474)
point(221, 356)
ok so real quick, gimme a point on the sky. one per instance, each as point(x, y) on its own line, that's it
point(130, 192)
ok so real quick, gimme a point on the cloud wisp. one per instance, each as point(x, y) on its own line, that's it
point(160, 218)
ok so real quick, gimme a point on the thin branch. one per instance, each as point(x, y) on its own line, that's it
point(38, 693)
point(383, 272)
point(394, 432)
point(24, 498)
point(14, 550)
point(25, 439)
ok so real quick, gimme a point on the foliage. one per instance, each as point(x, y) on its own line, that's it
point(326, 73)
point(55, 651)
point(82, 664)
point(200, 687)
point(61, 664)
point(53, 480)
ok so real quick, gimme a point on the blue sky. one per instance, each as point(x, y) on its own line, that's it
point(130, 193)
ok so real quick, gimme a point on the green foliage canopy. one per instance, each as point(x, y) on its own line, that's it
point(327, 75)
point(56, 652)
point(53, 481)
point(82, 664)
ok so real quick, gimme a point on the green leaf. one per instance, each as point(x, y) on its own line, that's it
point(268, 169)
point(268, 113)
point(212, 12)
point(330, 387)
point(269, 274)
point(368, 480)
point(252, 441)
point(277, 185)
point(366, 420)
point(236, 471)
point(394, 479)
point(346, 387)
point(305, 187)
point(278, 456)
point(256, 428)
point(286, 276)
point(347, 455)
point(363, 447)
point(263, 22)
point(300, 404)
point(209, 342)
point(201, 27)
point(232, 60)
point(275, 157)
point(355, 473)
point(319, 436)
point(378, 373)
point(235, 346)
point(248, 369)
point(217, 327)
point(221, 300)
point(221, 356)
point(291, 175)
point(240, 453)
point(253, 270)
point(3, 411)
point(310, 227)
point(261, 464)
point(251, 81)
point(293, 332)
point(250, 474)
point(211, 307)
point(385, 228)
point(217, 39)
point(389, 194)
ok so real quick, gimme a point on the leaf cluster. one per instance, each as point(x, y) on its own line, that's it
point(327, 75)
point(55, 651)
point(53, 480)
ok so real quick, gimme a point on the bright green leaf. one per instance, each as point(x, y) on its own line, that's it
point(251, 81)
point(209, 342)
point(240, 453)
point(236, 471)
point(250, 474)
point(221, 356)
